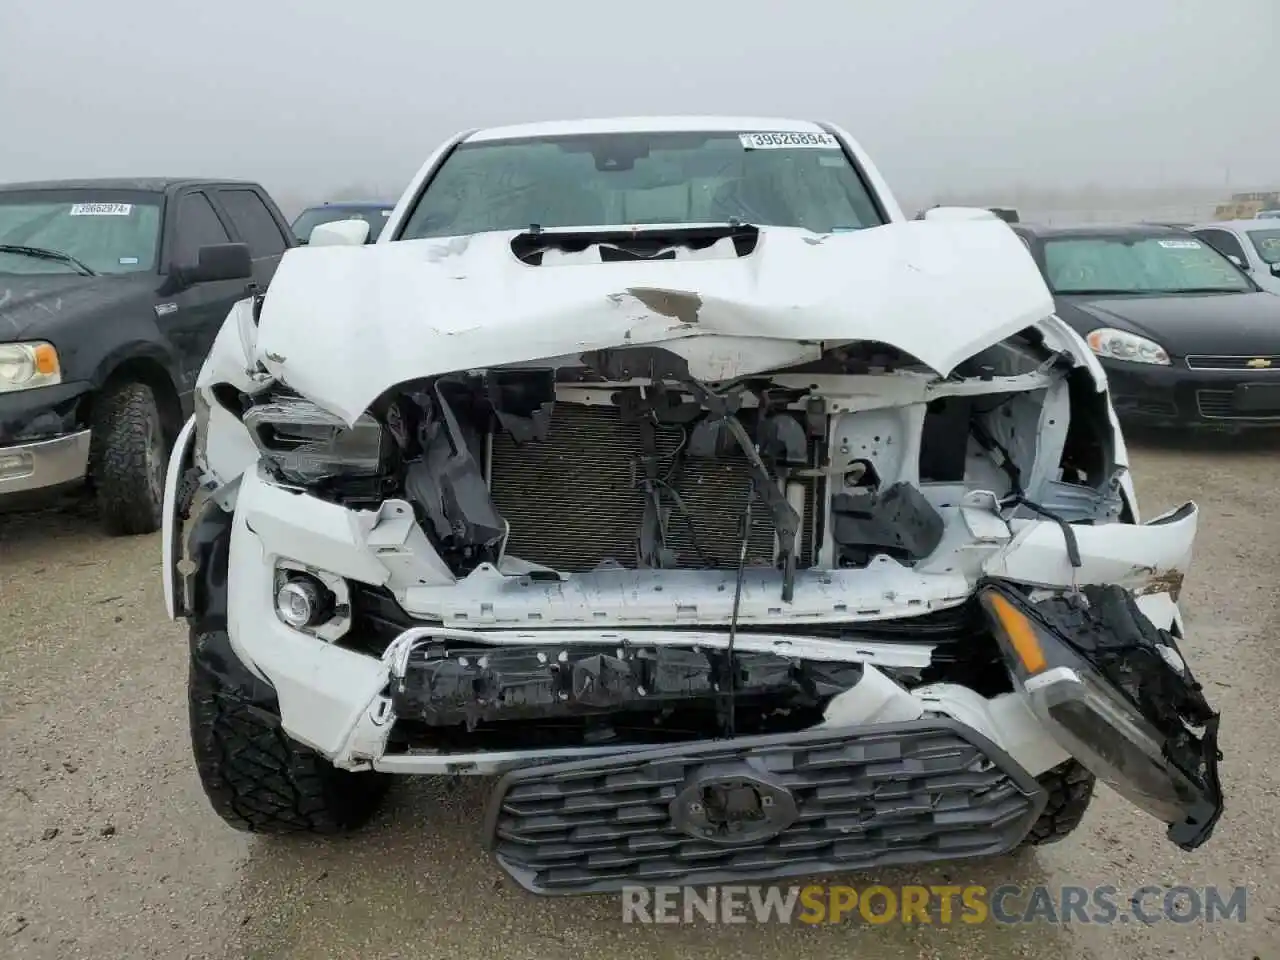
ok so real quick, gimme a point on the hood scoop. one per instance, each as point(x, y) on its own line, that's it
point(538, 247)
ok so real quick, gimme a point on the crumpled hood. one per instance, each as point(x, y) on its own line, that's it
point(342, 325)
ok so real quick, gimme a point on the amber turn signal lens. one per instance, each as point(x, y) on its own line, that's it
point(1021, 633)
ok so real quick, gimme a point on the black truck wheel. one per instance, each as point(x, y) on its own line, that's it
point(261, 781)
point(128, 460)
point(1070, 788)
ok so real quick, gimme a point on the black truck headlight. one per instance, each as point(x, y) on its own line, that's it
point(1113, 691)
point(306, 444)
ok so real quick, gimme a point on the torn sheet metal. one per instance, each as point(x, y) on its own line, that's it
point(1146, 558)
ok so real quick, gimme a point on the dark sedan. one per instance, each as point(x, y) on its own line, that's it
point(1186, 337)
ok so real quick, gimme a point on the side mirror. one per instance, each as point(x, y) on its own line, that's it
point(960, 213)
point(340, 233)
point(217, 261)
point(1275, 269)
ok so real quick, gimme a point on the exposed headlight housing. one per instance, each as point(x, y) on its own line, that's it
point(306, 444)
point(1114, 692)
point(1122, 345)
point(24, 366)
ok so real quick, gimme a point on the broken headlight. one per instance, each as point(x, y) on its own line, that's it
point(306, 444)
point(1113, 690)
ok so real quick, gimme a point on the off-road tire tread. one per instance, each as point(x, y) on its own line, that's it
point(119, 457)
point(1070, 788)
point(258, 779)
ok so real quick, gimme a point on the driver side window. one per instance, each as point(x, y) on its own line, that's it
point(198, 226)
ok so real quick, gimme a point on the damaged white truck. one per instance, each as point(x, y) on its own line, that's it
point(661, 466)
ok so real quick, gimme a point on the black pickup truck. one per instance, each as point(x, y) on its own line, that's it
point(111, 294)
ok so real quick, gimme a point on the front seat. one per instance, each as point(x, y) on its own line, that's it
point(565, 205)
point(751, 199)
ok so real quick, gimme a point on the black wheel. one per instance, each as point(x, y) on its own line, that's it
point(1070, 788)
point(129, 456)
point(258, 779)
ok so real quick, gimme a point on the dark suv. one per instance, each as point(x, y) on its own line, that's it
point(111, 294)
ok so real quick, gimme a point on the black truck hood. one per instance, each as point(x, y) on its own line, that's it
point(1234, 324)
point(40, 307)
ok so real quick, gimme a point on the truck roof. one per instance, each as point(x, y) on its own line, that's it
point(688, 123)
point(140, 184)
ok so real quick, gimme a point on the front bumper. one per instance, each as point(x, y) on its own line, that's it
point(1177, 396)
point(343, 702)
point(44, 445)
point(42, 465)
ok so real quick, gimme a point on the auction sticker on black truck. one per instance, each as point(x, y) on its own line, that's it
point(783, 141)
point(100, 209)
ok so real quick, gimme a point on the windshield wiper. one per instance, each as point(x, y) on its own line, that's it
point(1201, 290)
point(1103, 292)
point(40, 253)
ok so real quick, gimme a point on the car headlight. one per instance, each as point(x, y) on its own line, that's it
point(1115, 693)
point(306, 444)
point(24, 366)
point(1122, 345)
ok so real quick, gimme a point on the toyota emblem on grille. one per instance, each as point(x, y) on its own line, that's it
point(1259, 363)
point(733, 808)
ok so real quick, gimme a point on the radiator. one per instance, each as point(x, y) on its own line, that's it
point(575, 500)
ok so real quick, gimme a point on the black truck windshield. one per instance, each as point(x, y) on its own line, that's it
point(626, 179)
point(106, 231)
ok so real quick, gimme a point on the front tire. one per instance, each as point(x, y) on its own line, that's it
point(258, 779)
point(129, 456)
point(1070, 789)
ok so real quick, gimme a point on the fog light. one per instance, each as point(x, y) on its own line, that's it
point(15, 464)
point(303, 602)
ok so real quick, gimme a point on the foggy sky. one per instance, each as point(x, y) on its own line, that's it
point(946, 94)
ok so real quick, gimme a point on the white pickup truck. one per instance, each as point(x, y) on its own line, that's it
point(661, 465)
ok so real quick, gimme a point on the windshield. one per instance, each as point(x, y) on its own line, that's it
point(789, 180)
point(1139, 264)
point(308, 220)
point(1267, 243)
point(108, 231)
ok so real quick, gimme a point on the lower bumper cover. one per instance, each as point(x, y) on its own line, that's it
point(43, 464)
point(1171, 396)
point(799, 804)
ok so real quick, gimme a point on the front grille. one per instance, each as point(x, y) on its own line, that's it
point(828, 801)
point(1221, 405)
point(1272, 362)
point(575, 499)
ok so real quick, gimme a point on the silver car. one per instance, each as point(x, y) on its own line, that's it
point(1254, 246)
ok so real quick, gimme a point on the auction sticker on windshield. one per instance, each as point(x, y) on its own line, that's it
point(783, 141)
point(1181, 244)
point(101, 209)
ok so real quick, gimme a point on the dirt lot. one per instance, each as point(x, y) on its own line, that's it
point(108, 849)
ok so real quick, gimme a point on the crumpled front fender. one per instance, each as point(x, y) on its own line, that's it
point(224, 449)
point(1148, 558)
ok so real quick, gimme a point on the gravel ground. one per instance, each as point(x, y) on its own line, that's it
point(108, 849)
